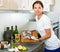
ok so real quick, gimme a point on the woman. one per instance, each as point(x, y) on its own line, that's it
point(45, 29)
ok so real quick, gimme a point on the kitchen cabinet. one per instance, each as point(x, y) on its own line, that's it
point(26, 4)
point(1, 2)
point(23, 4)
point(51, 2)
point(31, 3)
point(8, 5)
point(46, 5)
point(17, 4)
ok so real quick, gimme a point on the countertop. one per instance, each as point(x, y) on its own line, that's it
point(32, 47)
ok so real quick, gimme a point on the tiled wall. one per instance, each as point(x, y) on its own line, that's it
point(9, 19)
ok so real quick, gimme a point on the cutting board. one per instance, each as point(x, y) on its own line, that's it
point(34, 33)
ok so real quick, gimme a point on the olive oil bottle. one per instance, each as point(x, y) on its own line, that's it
point(16, 30)
point(12, 33)
point(12, 38)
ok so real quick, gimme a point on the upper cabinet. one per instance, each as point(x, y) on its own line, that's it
point(31, 3)
point(50, 2)
point(16, 4)
point(47, 4)
point(23, 4)
point(8, 5)
point(27, 4)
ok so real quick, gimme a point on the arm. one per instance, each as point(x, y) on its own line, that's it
point(46, 36)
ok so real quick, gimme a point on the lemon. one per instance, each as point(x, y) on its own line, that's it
point(20, 47)
point(24, 48)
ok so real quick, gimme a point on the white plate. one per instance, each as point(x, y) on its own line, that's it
point(11, 49)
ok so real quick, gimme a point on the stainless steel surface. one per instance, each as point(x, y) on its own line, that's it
point(32, 47)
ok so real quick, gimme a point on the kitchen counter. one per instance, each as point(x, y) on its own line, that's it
point(32, 47)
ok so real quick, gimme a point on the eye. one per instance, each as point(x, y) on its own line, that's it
point(39, 7)
point(35, 7)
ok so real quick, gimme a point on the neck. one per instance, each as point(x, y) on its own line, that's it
point(39, 16)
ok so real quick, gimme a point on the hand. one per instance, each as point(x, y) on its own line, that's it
point(40, 40)
point(37, 40)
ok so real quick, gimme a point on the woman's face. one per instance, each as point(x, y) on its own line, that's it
point(38, 9)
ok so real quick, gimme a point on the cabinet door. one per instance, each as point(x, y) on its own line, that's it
point(1, 3)
point(46, 5)
point(31, 3)
point(8, 4)
point(50, 2)
point(24, 5)
point(27, 4)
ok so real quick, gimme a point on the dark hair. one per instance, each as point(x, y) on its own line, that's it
point(37, 2)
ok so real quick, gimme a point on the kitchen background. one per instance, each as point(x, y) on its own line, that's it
point(20, 13)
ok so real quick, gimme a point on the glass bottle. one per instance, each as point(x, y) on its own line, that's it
point(11, 30)
point(11, 43)
point(7, 34)
point(12, 33)
point(16, 30)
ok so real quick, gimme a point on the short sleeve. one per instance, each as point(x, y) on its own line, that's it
point(47, 23)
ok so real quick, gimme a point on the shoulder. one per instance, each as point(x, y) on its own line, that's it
point(45, 17)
